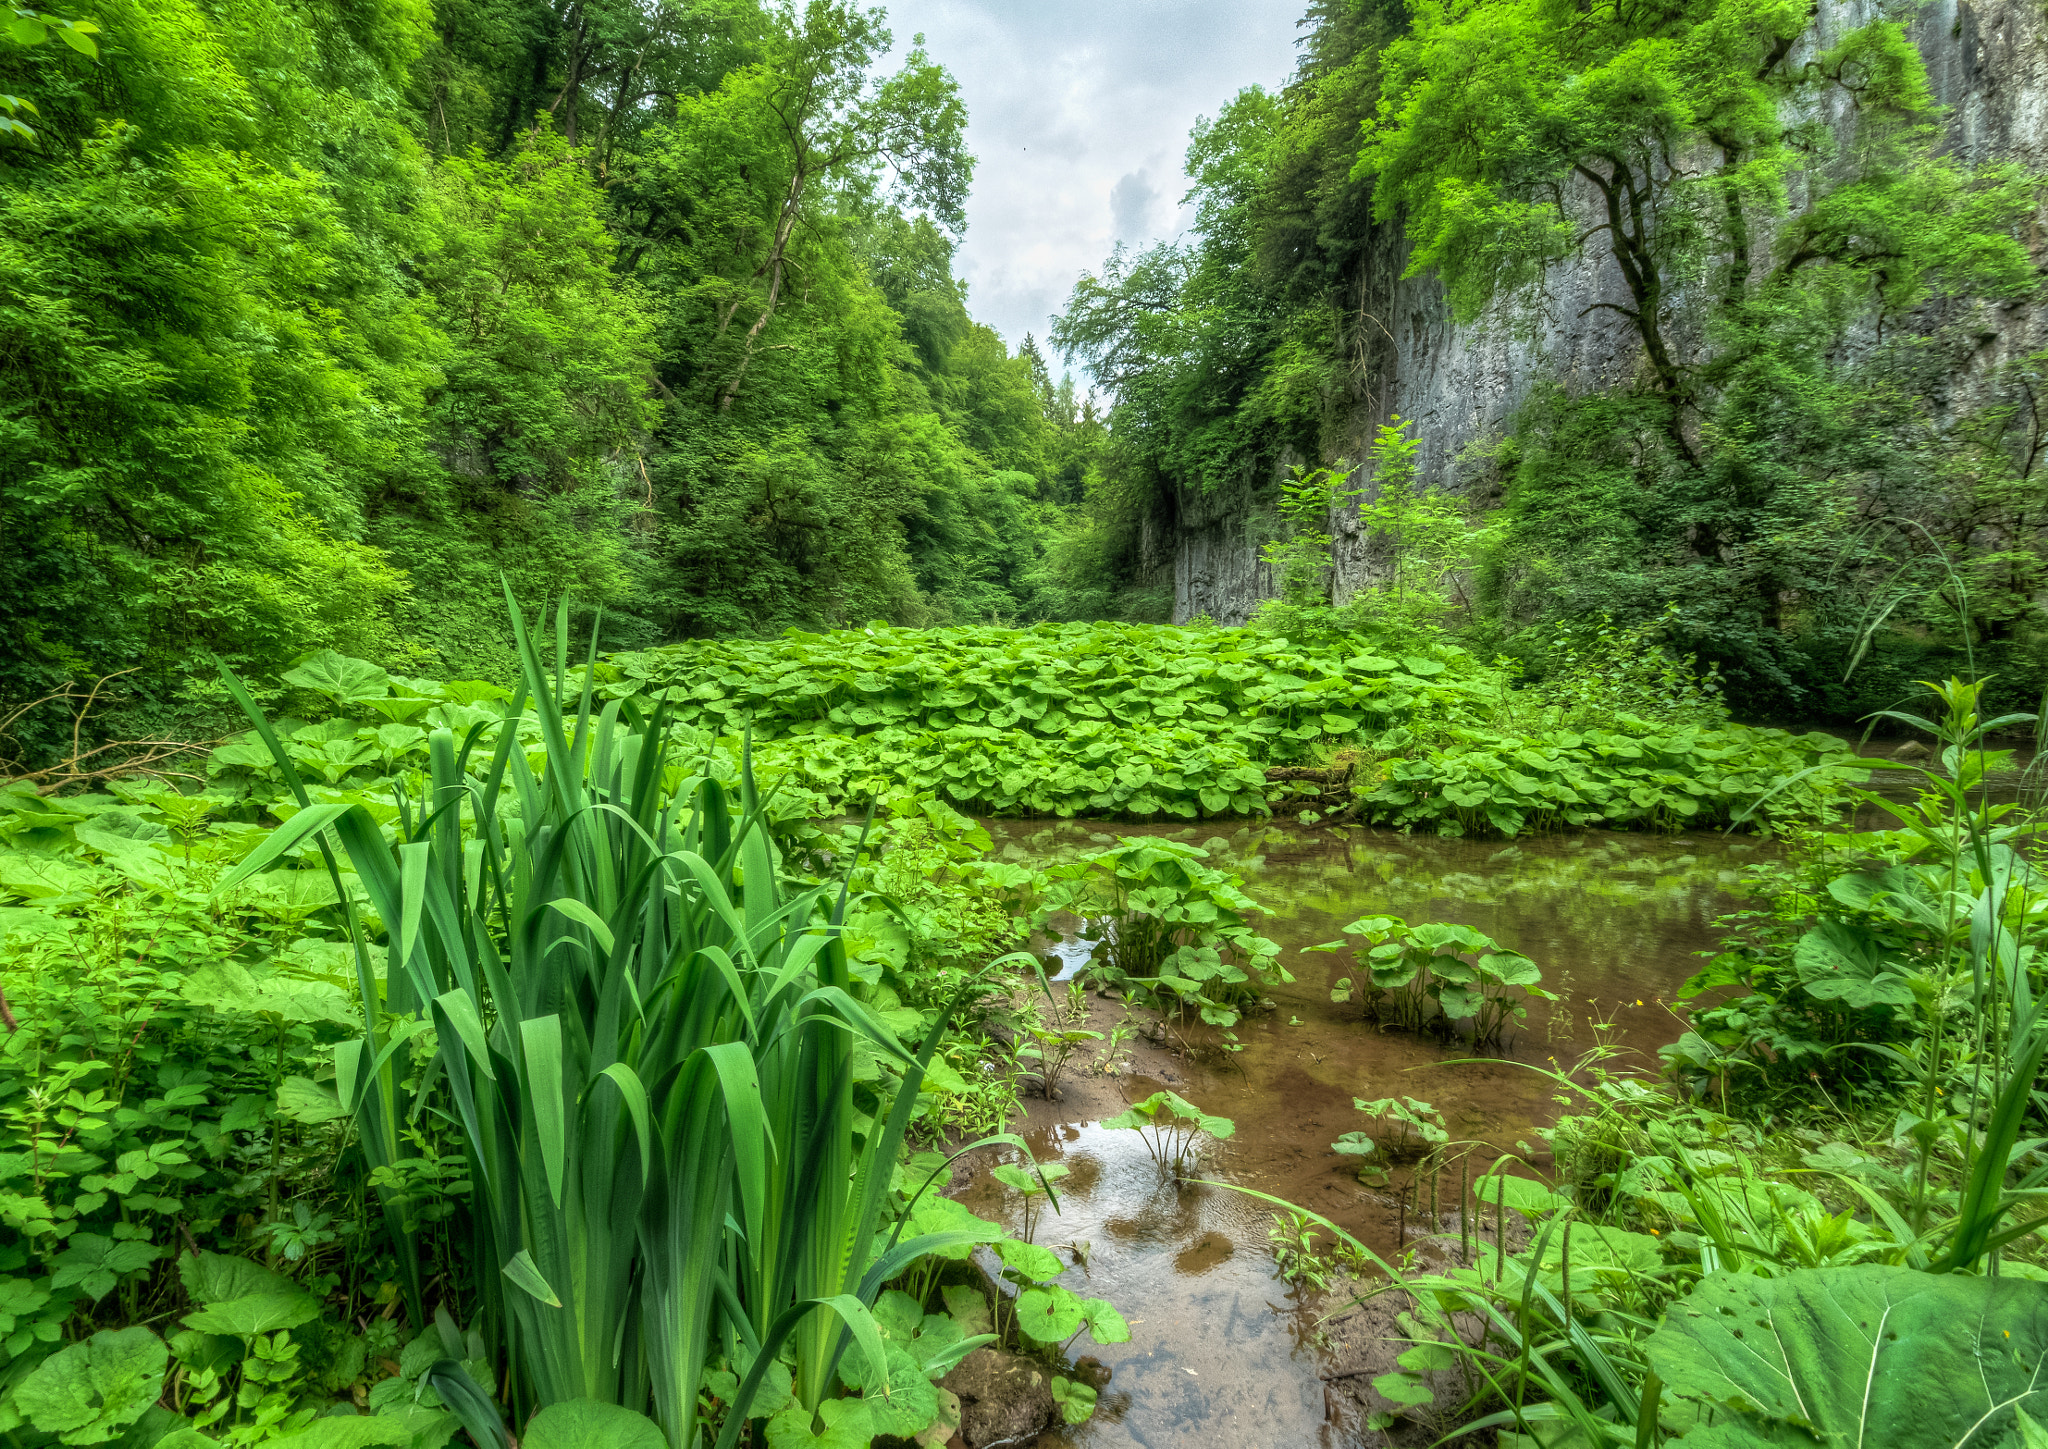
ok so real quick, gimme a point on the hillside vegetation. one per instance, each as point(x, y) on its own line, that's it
point(1150, 720)
point(319, 318)
point(1807, 428)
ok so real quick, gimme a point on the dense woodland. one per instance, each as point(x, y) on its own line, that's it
point(429, 1019)
point(318, 318)
point(1813, 441)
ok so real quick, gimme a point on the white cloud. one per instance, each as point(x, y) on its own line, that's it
point(1079, 115)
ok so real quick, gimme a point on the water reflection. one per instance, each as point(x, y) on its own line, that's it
point(1219, 1354)
point(1216, 1355)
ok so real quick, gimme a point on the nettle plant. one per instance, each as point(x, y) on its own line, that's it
point(1169, 928)
point(1420, 976)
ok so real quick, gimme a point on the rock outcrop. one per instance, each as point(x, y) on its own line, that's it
point(1987, 62)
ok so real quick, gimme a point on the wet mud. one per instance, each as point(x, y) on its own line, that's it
point(1223, 1351)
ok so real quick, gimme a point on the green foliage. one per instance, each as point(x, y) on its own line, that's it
point(188, 992)
point(90, 1392)
point(1426, 546)
point(1302, 558)
point(1170, 929)
point(1173, 1130)
point(1835, 1353)
point(323, 320)
point(1782, 458)
point(587, 1424)
point(1055, 719)
point(1139, 772)
point(554, 1110)
point(1403, 1126)
point(1635, 774)
point(1299, 1254)
point(1411, 970)
point(1052, 1045)
point(1135, 720)
point(33, 27)
point(1596, 673)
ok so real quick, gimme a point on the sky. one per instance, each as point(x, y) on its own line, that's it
point(1078, 115)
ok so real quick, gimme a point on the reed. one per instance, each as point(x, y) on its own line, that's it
point(648, 1044)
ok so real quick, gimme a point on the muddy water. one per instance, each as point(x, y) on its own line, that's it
point(1223, 1352)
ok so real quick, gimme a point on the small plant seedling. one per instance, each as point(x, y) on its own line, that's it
point(1052, 1047)
point(1172, 1129)
point(1405, 1128)
point(1033, 1183)
point(1119, 1034)
point(1357, 1144)
point(1298, 1251)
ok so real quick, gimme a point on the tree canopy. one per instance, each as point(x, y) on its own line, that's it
point(318, 319)
point(1800, 259)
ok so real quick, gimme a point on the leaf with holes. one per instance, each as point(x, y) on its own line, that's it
point(1051, 1314)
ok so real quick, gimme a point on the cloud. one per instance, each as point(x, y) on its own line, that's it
point(1132, 202)
point(1074, 103)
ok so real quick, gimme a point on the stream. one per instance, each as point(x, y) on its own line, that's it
point(1223, 1351)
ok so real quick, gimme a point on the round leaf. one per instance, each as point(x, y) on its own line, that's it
point(588, 1424)
point(1861, 1355)
point(1050, 1314)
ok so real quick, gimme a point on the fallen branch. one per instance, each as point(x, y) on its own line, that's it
point(142, 757)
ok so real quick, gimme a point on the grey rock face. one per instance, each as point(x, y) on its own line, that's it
point(1987, 62)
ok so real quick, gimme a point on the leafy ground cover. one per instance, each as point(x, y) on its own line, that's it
point(1637, 773)
point(1824, 1220)
point(434, 976)
point(1149, 720)
point(1046, 679)
point(346, 1131)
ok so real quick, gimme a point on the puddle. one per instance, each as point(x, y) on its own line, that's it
point(1223, 1352)
point(1215, 1355)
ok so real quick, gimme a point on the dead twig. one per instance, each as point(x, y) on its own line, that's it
point(123, 757)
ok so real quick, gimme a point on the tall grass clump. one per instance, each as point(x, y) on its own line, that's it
point(649, 1046)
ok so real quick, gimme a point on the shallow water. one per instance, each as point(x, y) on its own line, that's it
point(1222, 1352)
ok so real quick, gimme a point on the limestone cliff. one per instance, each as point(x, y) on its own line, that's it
point(1987, 62)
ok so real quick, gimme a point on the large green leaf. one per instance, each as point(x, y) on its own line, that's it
point(1029, 1259)
point(340, 678)
point(587, 1424)
point(49, 878)
point(1838, 962)
point(256, 1313)
point(87, 1393)
point(848, 1424)
point(216, 1277)
point(232, 987)
point(23, 923)
point(1051, 1314)
point(1863, 1356)
point(304, 1100)
point(906, 1404)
